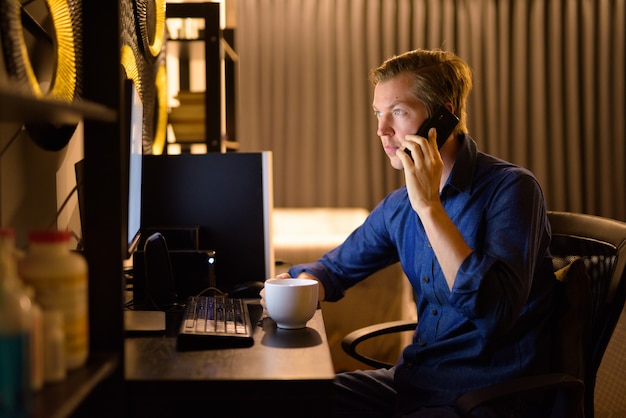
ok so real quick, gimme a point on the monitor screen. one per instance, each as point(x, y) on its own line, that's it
point(227, 197)
point(135, 157)
point(131, 170)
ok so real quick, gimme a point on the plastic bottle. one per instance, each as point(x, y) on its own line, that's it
point(36, 341)
point(16, 394)
point(59, 277)
point(55, 367)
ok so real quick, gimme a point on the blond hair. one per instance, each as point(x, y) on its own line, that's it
point(438, 77)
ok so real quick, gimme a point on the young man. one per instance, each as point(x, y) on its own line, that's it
point(472, 235)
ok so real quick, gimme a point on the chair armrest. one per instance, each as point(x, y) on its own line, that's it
point(351, 341)
point(569, 392)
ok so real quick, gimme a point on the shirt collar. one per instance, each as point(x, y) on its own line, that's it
point(465, 165)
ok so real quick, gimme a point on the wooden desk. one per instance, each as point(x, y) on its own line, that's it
point(285, 373)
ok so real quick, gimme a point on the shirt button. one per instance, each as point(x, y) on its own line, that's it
point(422, 343)
point(426, 279)
point(434, 311)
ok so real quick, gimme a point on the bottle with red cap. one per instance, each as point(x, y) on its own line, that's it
point(59, 277)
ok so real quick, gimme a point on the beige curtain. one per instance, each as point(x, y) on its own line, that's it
point(548, 95)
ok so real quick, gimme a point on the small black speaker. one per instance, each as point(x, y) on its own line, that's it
point(193, 273)
point(183, 238)
point(158, 274)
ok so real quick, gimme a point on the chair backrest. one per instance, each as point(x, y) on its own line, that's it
point(601, 242)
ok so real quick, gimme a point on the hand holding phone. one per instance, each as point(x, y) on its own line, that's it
point(443, 120)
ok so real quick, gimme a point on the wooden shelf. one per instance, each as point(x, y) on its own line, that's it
point(180, 49)
point(60, 400)
point(19, 106)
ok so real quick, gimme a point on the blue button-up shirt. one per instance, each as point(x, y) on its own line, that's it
point(493, 324)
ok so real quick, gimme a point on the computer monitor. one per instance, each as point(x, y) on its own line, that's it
point(130, 168)
point(227, 197)
point(134, 127)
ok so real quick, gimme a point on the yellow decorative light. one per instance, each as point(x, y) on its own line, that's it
point(63, 84)
point(129, 63)
point(160, 132)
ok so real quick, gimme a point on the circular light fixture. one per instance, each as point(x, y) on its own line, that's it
point(150, 16)
point(64, 84)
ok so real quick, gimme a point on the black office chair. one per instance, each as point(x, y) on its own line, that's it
point(591, 299)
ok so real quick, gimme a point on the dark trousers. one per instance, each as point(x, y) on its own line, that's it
point(372, 393)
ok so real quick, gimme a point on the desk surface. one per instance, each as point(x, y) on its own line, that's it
point(290, 364)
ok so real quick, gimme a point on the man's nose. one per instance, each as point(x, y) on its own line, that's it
point(384, 127)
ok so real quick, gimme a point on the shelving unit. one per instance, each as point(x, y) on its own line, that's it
point(96, 389)
point(212, 121)
point(181, 46)
point(59, 400)
point(64, 399)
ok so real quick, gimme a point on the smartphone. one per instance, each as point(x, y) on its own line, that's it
point(443, 120)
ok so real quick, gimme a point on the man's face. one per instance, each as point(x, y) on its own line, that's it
point(398, 112)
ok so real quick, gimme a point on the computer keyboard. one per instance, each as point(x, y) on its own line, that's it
point(216, 322)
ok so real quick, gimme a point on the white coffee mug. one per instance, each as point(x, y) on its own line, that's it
point(291, 303)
